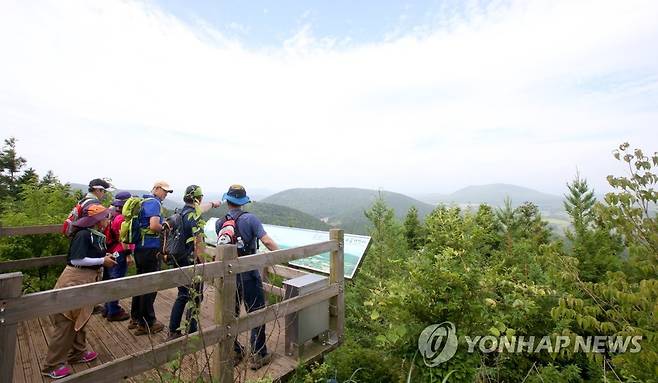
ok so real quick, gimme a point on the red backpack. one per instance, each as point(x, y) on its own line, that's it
point(67, 227)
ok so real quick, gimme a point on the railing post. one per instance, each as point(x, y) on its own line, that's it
point(10, 287)
point(337, 275)
point(225, 290)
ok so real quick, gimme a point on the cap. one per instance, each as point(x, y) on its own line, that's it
point(194, 191)
point(99, 184)
point(120, 198)
point(164, 186)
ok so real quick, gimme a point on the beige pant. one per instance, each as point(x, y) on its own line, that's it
point(65, 344)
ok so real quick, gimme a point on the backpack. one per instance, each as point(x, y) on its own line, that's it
point(130, 231)
point(229, 234)
point(67, 227)
point(174, 245)
point(111, 236)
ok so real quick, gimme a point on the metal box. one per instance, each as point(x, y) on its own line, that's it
point(310, 322)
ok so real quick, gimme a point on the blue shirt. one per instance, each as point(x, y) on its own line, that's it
point(151, 207)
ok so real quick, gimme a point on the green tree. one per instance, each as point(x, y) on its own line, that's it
point(10, 165)
point(388, 246)
point(28, 178)
point(593, 241)
point(413, 230)
point(624, 302)
point(579, 204)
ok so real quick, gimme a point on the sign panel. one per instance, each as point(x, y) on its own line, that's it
point(287, 237)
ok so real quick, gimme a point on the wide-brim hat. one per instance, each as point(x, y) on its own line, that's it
point(95, 214)
point(237, 195)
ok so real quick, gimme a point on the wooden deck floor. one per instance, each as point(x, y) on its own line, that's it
point(113, 340)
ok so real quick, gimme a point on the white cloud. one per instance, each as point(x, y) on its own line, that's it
point(515, 92)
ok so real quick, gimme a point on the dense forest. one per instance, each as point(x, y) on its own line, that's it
point(501, 272)
point(488, 271)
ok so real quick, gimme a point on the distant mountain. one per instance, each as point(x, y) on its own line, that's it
point(169, 203)
point(495, 194)
point(276, 215)
point(344, 207)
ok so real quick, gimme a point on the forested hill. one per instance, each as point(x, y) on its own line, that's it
point(495, 195)
point(344, 207)
point(276, 215)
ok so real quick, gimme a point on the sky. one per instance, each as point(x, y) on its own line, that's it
point(413, 97)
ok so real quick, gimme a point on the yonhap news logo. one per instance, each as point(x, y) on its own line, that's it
point(438, 343)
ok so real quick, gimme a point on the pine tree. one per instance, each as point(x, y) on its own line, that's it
point(387, 240)
point(413, 230)
point(10, 166)
point(592, 241)
point(579, 203)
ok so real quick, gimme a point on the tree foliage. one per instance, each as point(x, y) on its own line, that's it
point(502, 273)
point(31, 200)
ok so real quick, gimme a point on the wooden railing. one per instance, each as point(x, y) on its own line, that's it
point(15, 307)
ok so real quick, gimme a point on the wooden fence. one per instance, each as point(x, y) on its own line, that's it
point(15, 307)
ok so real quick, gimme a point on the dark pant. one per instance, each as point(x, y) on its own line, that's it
point(250, 292)
point(146, 261)
point(179, 306)
point(118, 271)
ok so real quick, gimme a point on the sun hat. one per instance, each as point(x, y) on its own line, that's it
point(163, 185)
point(237, 195)
point(95, 214)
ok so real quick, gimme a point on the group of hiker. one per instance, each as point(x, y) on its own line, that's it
point(104, 241)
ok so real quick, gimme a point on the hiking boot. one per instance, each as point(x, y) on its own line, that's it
point(174, 335)
point(155, 328)
point(133, 324)
point(86, 357)
point(118, 317)
point(58, 372)
point(257, 361)
point(98, 309)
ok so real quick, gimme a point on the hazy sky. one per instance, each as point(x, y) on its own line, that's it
point(421, 96)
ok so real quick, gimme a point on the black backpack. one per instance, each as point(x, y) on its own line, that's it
point(174, 244)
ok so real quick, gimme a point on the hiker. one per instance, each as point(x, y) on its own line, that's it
point(113, 311)
point(87, 254)
point(248, 230)
point(192, 253)
point(96, 192)
point(147, 258)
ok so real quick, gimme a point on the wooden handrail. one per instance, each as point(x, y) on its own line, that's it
point(258, 261)
point(29, 230)
point(32, 263)
point(286, 272)
point(69, 298)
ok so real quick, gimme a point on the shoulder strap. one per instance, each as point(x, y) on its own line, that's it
point(237, 227)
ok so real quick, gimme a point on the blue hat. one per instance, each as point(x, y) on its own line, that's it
point(237, 195)
point(120, 198)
